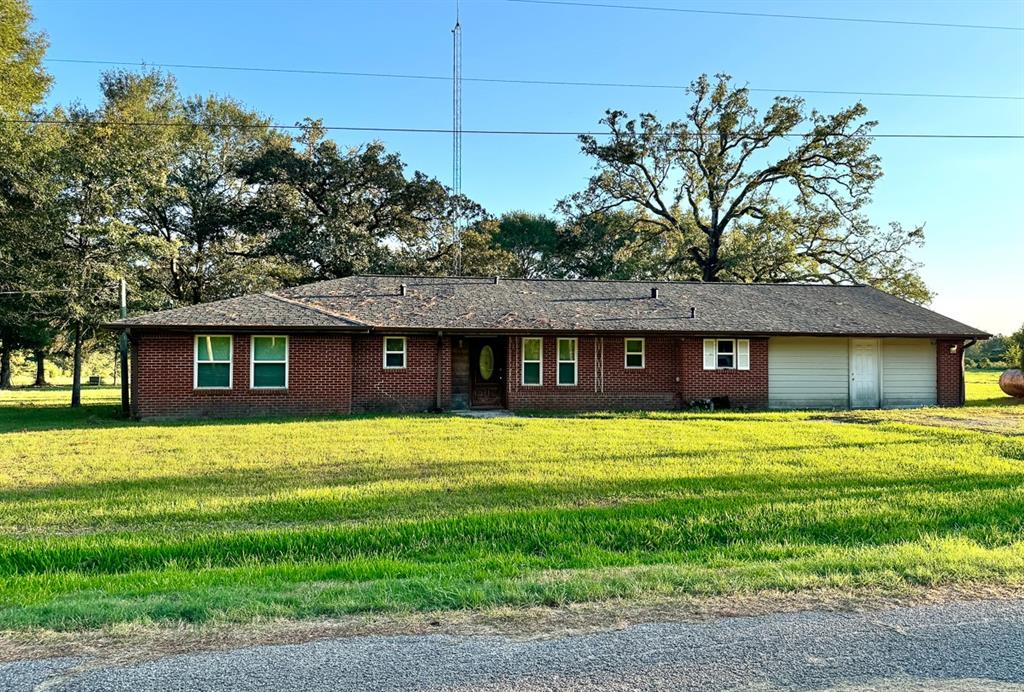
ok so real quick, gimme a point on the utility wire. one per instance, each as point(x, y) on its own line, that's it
point(498, 80)
point(439, 130)
point(774, 15)
point(770, 15)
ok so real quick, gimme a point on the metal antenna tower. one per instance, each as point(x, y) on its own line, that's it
point(457, 138)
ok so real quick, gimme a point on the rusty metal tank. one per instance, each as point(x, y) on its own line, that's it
point(1012, 382)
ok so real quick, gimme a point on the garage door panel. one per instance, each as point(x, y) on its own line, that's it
point(908, 373)
point(808, 372)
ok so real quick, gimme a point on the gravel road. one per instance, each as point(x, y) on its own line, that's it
point(972, 645)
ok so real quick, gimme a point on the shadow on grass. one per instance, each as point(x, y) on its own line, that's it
point(97, 416)
point(757, 510)
point(352, 473)
point(994, 401)
point(259, 498)
point(37, 417)
point(18, 418)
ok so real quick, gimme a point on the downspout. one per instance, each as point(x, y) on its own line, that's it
point(440, 358)
point(963, 383)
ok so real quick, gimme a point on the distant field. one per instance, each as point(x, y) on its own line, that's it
point(983, 388)
point(105, 521)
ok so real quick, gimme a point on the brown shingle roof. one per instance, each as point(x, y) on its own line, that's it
point(433, 303)
point(262, 310)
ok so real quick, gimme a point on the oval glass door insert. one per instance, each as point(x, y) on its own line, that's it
point(486, 363)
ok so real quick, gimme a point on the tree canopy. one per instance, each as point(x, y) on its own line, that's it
point(727, 193)
point(23, 84)
point(197, 213)
point(339, 212)
point(23, 81)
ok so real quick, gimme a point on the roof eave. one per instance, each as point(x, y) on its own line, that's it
point(117, 326)
point(137, 326)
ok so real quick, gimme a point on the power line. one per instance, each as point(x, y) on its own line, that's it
point(772, 15)
point(500, 80)
point(775, 15)
point(449, 131)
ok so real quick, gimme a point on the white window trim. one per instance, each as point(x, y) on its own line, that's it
point(404, 352)
point(736, 364)
point(575, 362)
point(252, 359)
point(523, 362)
point(627, 354)
point(230, 361)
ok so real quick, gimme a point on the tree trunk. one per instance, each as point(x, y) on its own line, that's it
point(40, 357)
point(5, 366)
point(711, 266)
point(76, 372)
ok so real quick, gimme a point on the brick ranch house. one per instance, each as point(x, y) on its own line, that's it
point(392, 343)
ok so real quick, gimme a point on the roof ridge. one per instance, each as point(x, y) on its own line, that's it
point(314, 308)
point(596, 281)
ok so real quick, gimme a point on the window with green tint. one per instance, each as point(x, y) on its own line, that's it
point(213, 348)
point(531, 349)
point(213, 362)
point(269, 362)
point(270, 348)
point(533, 357)
point(567, 361)
point(634, 354)
point(394, 352)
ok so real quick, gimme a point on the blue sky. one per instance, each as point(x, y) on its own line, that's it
point(967, 191)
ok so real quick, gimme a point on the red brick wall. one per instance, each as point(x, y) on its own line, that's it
point(319, 378)
point(653, 387)
point(375, 388)
point(742, 387)
point(949, 372)
point(341, 373)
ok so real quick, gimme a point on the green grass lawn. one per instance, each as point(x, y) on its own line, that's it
point(105, 521)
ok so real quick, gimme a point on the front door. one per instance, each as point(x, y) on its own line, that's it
point(487, 373)
point(864, 384)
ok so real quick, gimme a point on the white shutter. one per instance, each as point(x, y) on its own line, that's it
point(743, 354)
point(710, 354)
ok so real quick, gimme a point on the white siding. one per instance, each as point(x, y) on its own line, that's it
point(808, 372)
point(908, 372)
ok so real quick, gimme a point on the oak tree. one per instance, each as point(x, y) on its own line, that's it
point(740, 195)
point(340, 212)
point(197, 212)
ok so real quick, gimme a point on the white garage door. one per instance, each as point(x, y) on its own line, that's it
point(908, 372)
point(808, 372)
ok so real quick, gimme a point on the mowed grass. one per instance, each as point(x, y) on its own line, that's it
point(105, 521)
